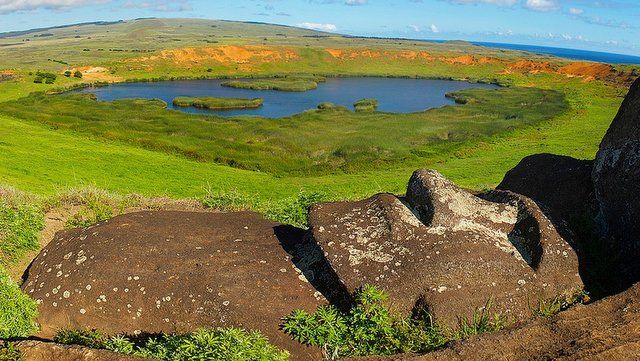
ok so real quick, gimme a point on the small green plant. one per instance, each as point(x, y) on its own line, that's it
point(482, 321)
point(219, 344)
point(93, 212)
point(8, 352)
point(550, 307)
point(77, 74)
point(67, 73)
point(294, 210)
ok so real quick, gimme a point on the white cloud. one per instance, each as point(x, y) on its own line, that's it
point(318, 26)
point(576, 11)
point(542, 5)
point(434, 28)
point(7, 6)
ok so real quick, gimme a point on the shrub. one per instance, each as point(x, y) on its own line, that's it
point(38, 80)
point(77, 74)
point(67, 73)
point(17, 310)
point(369, 328)
point(206, 344)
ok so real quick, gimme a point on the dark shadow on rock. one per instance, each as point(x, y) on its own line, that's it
point(310, 259)
point(525, 235)
point(563, 189)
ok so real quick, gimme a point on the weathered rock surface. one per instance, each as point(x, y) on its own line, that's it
point(447, 249)
point(616, 176)
point(46, 351)
point(605, 330)
point(173, 272)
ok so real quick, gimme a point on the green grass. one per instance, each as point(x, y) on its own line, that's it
point(369, 328)
point(283, 84)
point(366, 105)
point(21, 220)
point(220, 344)
point(217, 103)
point(311, 143)
point(17, 310)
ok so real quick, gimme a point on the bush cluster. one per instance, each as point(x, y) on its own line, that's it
point(370, 328)
point(42, 77)
point(221, 344)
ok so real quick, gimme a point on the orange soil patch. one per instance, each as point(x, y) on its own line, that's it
point(587, 70)
point(529, 66)
point(344, 54)
point(463, 59)
point(231, 54)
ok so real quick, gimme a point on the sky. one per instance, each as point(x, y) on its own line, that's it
point(600, 25)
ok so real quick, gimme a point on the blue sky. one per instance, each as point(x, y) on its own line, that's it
point(604, 25)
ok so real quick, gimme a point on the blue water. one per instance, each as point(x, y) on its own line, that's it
point(574, 54)
point(395, 95)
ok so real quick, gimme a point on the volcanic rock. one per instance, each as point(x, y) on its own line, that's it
point(167, 271)
point(447, 249)
point(616, 176)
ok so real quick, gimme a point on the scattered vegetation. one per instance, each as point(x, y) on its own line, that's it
point(366, 105)
point(280, 84)
point(220, 344)
point(218, 103)
point(369, 328)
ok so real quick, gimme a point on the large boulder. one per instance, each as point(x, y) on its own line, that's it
point(168, 271)
point(616, 176)
point(447, 249)
point(605, 330)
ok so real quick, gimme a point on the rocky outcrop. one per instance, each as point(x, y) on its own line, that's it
point(167, 271)
point(46, 351)
point(615, 176)
point(605, 330)
point(447, 249)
